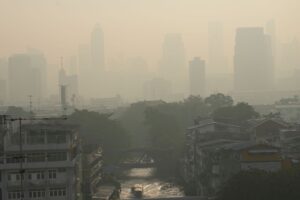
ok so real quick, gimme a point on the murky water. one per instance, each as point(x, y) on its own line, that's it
point(152, 186)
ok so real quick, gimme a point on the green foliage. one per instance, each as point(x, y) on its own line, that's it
point(98, 129)
point(260, 185)
point(218, 100)
point(164, 130)
point(163, 125)
point(18, 112)
point(133, 120)
point(239, 112)
point(289, 100)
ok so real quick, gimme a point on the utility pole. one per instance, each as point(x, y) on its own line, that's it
point(21, 156)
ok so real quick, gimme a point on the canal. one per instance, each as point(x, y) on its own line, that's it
point(153, 186)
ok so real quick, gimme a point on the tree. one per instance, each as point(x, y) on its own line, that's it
point(218, 100)
point(165, 134)
point(98, 129)
point(239, 112)
point(18, 112)
point(261, 185)
point(163, 129)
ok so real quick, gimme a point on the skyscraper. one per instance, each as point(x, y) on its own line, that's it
point(197, 76)
point(173, 57)
point(271, 31)
point(172, 64)
point(253, 62)
point(290, 57)
point(3, 81)
point(216, 58)
point(39, 68)
point(71, 85)
point(24, 79)
point(97, 49)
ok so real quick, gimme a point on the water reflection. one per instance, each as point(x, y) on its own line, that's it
point(153, 186)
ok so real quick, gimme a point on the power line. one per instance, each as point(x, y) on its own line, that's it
point(20, 157)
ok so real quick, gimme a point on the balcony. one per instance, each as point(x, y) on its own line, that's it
point(38, 183)
point(33, 147)
point(14, 183)
point(39, 165)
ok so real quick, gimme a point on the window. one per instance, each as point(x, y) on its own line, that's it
point(57, 192)
point(36, 194)
point(52, 174)
point(57, 156)
point(57, 137)
point(15, 176)
point(15, 195)
point(14, 158)
point(36, 175)
point(62, 170)
point(15, 138)
point(36, 157)
point(36, 137)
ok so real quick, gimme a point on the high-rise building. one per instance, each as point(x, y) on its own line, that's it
point(27, 77)
point(21, 79)
point(84, 70)
point(197, 76)
point(39, 67)
point(253, 60)
point(290, 57)
point(157, 89)
point(97, 49)
point(3, 81)
point(172, 64)
point(3, 86)
point(71, 85)
point(216, 58)
point(270, 30)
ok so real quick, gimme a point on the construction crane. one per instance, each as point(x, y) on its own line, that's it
point(21, 157)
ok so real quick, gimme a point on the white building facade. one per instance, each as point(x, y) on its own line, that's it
point(44, 167)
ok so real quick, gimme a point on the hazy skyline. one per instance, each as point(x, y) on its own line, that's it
point(135, 27)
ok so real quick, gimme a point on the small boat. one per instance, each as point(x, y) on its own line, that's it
point(137, 190)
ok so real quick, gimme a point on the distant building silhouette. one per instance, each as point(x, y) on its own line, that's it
point(157, 89)
point(85, 70)
point(3, 81)
point(26, 78)
point(71, 84)
point(39, 64)
point(216, 58)
point(97, 49)
point(253, 61)
point(2, 91)
point(290, 57)
point(271, 31)
point(172, 64)
point(197, 77)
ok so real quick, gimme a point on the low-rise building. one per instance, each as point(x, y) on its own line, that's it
point(206, 133)
point(42, 162)
point(216, 150)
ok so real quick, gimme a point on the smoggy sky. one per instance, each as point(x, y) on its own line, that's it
point(135, 27)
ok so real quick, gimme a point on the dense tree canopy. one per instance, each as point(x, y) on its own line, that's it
point(18, 112)
point(239, 112)
point(218, 100)
point(261, 185)
point(98, 129)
